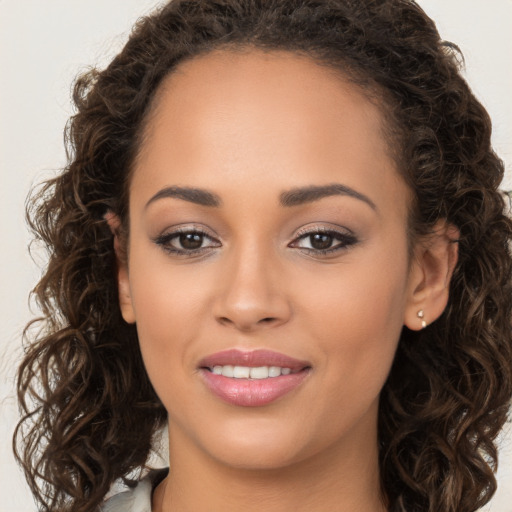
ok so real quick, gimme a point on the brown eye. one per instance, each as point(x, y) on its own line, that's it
point(321, 241)
point(187, 242)
point(191, 241)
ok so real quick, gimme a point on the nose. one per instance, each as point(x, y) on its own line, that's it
point(252, 294)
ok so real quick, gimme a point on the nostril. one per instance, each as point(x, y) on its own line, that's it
point(268, 319)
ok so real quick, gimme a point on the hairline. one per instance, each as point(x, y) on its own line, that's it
point(379, 96)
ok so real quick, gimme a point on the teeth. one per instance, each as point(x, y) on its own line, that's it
point(241, 372)
point(274, 371)
point(227, 370)
point(247, 372)
point(259, 373)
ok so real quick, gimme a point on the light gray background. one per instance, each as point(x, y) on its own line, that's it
point(45, 43)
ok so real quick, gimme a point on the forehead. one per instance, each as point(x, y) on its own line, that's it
point(251, 118)
point(244, 81)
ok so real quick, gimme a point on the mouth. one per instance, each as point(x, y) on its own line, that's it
point(251, 372)
point(252, 379)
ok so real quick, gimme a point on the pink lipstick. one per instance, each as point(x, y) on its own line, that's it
point(252, 378)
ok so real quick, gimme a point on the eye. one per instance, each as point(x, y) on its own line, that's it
point(323, 241)
point(190, 241)
point(186, 241)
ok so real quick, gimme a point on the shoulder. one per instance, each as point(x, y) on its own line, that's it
point(137, 499)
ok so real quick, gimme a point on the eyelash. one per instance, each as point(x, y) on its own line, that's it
point(346, 240)
point(165, 240)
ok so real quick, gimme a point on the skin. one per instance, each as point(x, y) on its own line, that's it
point(246, 127)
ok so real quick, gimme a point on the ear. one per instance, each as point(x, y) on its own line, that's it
point(123, 281)
point(434, 260)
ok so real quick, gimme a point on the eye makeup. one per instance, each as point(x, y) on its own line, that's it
point(195, 241)
point(322, 240)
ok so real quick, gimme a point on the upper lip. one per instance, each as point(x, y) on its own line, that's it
point(252, 358)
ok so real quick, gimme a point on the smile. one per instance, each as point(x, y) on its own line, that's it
point(247, 372)
point(265, 377)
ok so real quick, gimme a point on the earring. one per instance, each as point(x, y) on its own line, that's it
point(421, 314)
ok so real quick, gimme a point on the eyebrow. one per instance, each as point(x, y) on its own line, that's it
point(289, 198)
point(193, 195)
point(302, 195)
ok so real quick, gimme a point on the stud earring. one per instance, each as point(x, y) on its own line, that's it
point(421, 314)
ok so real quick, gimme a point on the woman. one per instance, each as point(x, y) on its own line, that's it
point(279, 232)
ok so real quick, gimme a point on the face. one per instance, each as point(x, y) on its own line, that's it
point(268, 229)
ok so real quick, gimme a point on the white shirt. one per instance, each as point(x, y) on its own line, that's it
point(137, 499)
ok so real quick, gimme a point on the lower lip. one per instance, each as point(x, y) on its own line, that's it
point(252, 392)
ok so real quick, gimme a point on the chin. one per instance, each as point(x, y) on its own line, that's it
point(253, 457)
point(260, 446)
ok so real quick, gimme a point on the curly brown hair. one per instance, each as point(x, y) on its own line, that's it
point(90, 412)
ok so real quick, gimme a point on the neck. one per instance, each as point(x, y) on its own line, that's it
point(344, 478)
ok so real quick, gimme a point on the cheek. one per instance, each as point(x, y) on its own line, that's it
point(169, 309)
point(356, 316)
point(167, 325)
